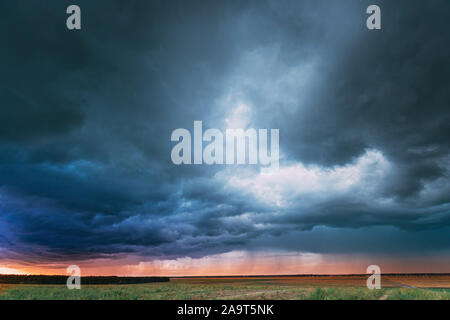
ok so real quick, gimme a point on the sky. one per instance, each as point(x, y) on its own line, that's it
point(86, 117)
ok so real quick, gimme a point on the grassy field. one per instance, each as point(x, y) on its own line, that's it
point(316, 288)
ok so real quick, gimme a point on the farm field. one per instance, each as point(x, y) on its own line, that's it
point(252, 288)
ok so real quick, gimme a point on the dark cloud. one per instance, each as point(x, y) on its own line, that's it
point(386, 90)
point(86, 118)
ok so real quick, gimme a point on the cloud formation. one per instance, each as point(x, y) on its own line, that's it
point(86, 119)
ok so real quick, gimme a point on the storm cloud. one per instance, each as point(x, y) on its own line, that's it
point(86, 118)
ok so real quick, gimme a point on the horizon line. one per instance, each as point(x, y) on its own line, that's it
point(242, 276)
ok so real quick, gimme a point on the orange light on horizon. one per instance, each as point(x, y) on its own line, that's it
point(238, 263)
point(7, 270)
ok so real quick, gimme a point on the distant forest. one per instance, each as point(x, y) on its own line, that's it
point(41, 279)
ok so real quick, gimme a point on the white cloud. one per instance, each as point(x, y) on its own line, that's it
point(290, 183)
point(239, 117)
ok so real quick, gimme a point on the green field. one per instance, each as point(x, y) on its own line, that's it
point(213, 289)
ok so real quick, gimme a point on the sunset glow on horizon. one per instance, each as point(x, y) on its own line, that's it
point(7, 270)
point(236, 264)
